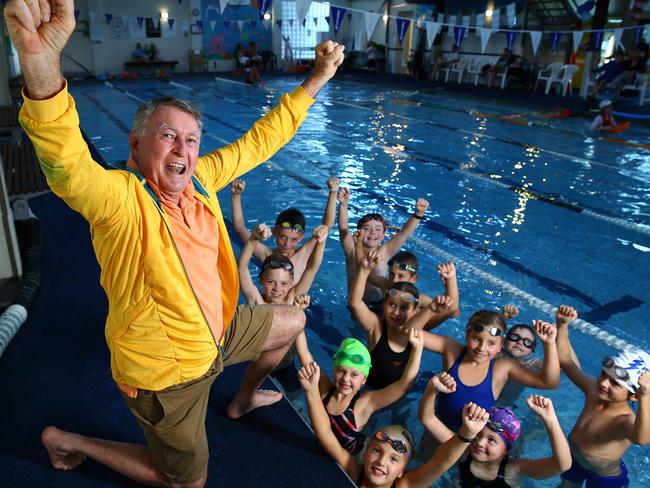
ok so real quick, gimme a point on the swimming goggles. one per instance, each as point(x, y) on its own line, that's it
point(514, 337)
point(402, 266)
point(277, 264)
point(619, 373)
point(495, 426)
point(493, 331)
point(289, 225)
point(401, 294)
point(353, 358)
point(398, 445)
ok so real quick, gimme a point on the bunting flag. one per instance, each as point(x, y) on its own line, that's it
point(109, 17)
point(402, 27)
point(371, 22)
point(485, 34)
point(459, 35)
point(222, 5)
point(465, 20)
point(226, 24)
point(496, 19)
point(279, 23)
point(510, 39)
point(451, 21)
point(304, 22)
point(577, 37)
point(76, 15)
point(337, 14)
point(302, 7)
point(171, 24)
point(618, 33)
point(316, 21)
point(141, 21)
point(596, 40)
point(240, 25)
point(291, 22)
point(555, 40)
point(213, 24)
point(199, 23)
point(535, 38)
point(327, 19)
point(432, 31)
point(263, 7)
point(480, 20)
point(638, 31)
point(511, 13)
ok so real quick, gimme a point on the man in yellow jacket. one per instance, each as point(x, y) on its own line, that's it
point(167, 265)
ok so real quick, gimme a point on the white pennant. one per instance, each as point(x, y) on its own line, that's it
point(212, 24)
point(480, 20)
point(535, 37)
point(465, 20)
point(222, 5)
point(432, 31)
point(511, 13)
point(451, 21)
point(496, 19)
point(240, 24)
point(617, 37)
point(485, 36)
point(577, 37)
point(371, 22)
point(302, 7)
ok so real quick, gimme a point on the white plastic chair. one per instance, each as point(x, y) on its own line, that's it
point(548, 75)
point(458, 69)
point(504, 76)
point(449, 68)
point(640, 84)
point(565, 78)
point(474, 68)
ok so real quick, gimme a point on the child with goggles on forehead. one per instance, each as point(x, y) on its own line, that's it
point(371, 232)
point(478, 372)
point(289, 228)
point(607, 425)
point(347, 407)
point(389, 347)
point(404, 266)
point(488, 462)
point(389, 448)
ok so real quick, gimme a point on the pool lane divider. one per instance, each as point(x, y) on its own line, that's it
point(579, 324)
point(552, 199)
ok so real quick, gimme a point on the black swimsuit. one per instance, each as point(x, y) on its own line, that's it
point(361, 478)
point(344, 426)
point(387, 365)
point(468, 480)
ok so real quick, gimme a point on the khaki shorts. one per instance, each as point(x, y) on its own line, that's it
point(173, 419)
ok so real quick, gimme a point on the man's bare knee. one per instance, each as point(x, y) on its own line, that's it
point(200, 483)
point(288, 322)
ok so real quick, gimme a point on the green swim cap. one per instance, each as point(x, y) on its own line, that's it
point(353, 354)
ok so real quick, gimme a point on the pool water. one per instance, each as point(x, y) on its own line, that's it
point(532, 215)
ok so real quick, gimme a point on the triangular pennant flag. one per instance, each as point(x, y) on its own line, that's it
point(222, 5)
point(510, 39)
point(451, 22)
point(156, 23)
point(617, 37)
point(511, 13)
point(316, 21)
point(109, 17)
point(535, 38)
point(279, 23)
point(402, 27)
point(577, 37)
point(304, 22)
point(480, 20)
point(140, 21)
point(171, 24)
point(291, 22)
point(263, 7)
point(213, 23)
point(465, 20)
point(337, 14)
point(302, 7)
point(327, 19)
point(638, 31)
point(555, 40)
point(485, 36)
point(240, 25)
point(226, 24)
point(496, 19)
point(76, 15)
point(371, 22)
point(459, 35)
point(199, 23)
point(596, 40)
point(432, 31)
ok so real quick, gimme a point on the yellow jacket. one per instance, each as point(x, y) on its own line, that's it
point(155, 329)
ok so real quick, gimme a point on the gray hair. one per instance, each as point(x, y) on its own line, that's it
point(144, 112)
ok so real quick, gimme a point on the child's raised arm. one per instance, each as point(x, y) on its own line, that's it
point(397, 241)
point(309, 378)
point(560, 461)
point(565, 315)
point(362, 314)
point(440, 383)
point(474, 419)
point(236, 189)
point(248, 288)
point(313, 264)
point(379, 399)
point(640, 430)
point(330, 208)
point(345, 235)
point(510, 311)
point(440, 305)
point(549, 376)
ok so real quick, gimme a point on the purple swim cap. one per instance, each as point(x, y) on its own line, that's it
point(504, 422)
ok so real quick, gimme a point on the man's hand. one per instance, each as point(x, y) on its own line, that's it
point(329, 56)
point(320, 233)
point(343, 195)
point(545, 331)
point(421, 207)
point(565, 315)
point(237, 187)
point(261, 232)
point(39, 31)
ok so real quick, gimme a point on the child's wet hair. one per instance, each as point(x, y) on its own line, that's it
point(277, 261)
point(526, 327)
point(405, 287)
point(370, 217)
point(488, 318)
point(398, 430)
point(292, 216)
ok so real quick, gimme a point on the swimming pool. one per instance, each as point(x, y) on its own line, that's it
point(536, 216)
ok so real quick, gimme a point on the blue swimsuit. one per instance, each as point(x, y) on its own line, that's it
point(449, 407)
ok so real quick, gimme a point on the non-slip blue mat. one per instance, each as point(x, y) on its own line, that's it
point(56, 371)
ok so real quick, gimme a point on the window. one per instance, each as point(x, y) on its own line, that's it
point(304, 39)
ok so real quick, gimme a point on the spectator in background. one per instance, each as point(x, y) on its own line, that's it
point(610, 71)
point(444, 61)
point(138, 53)
point(372, 56)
